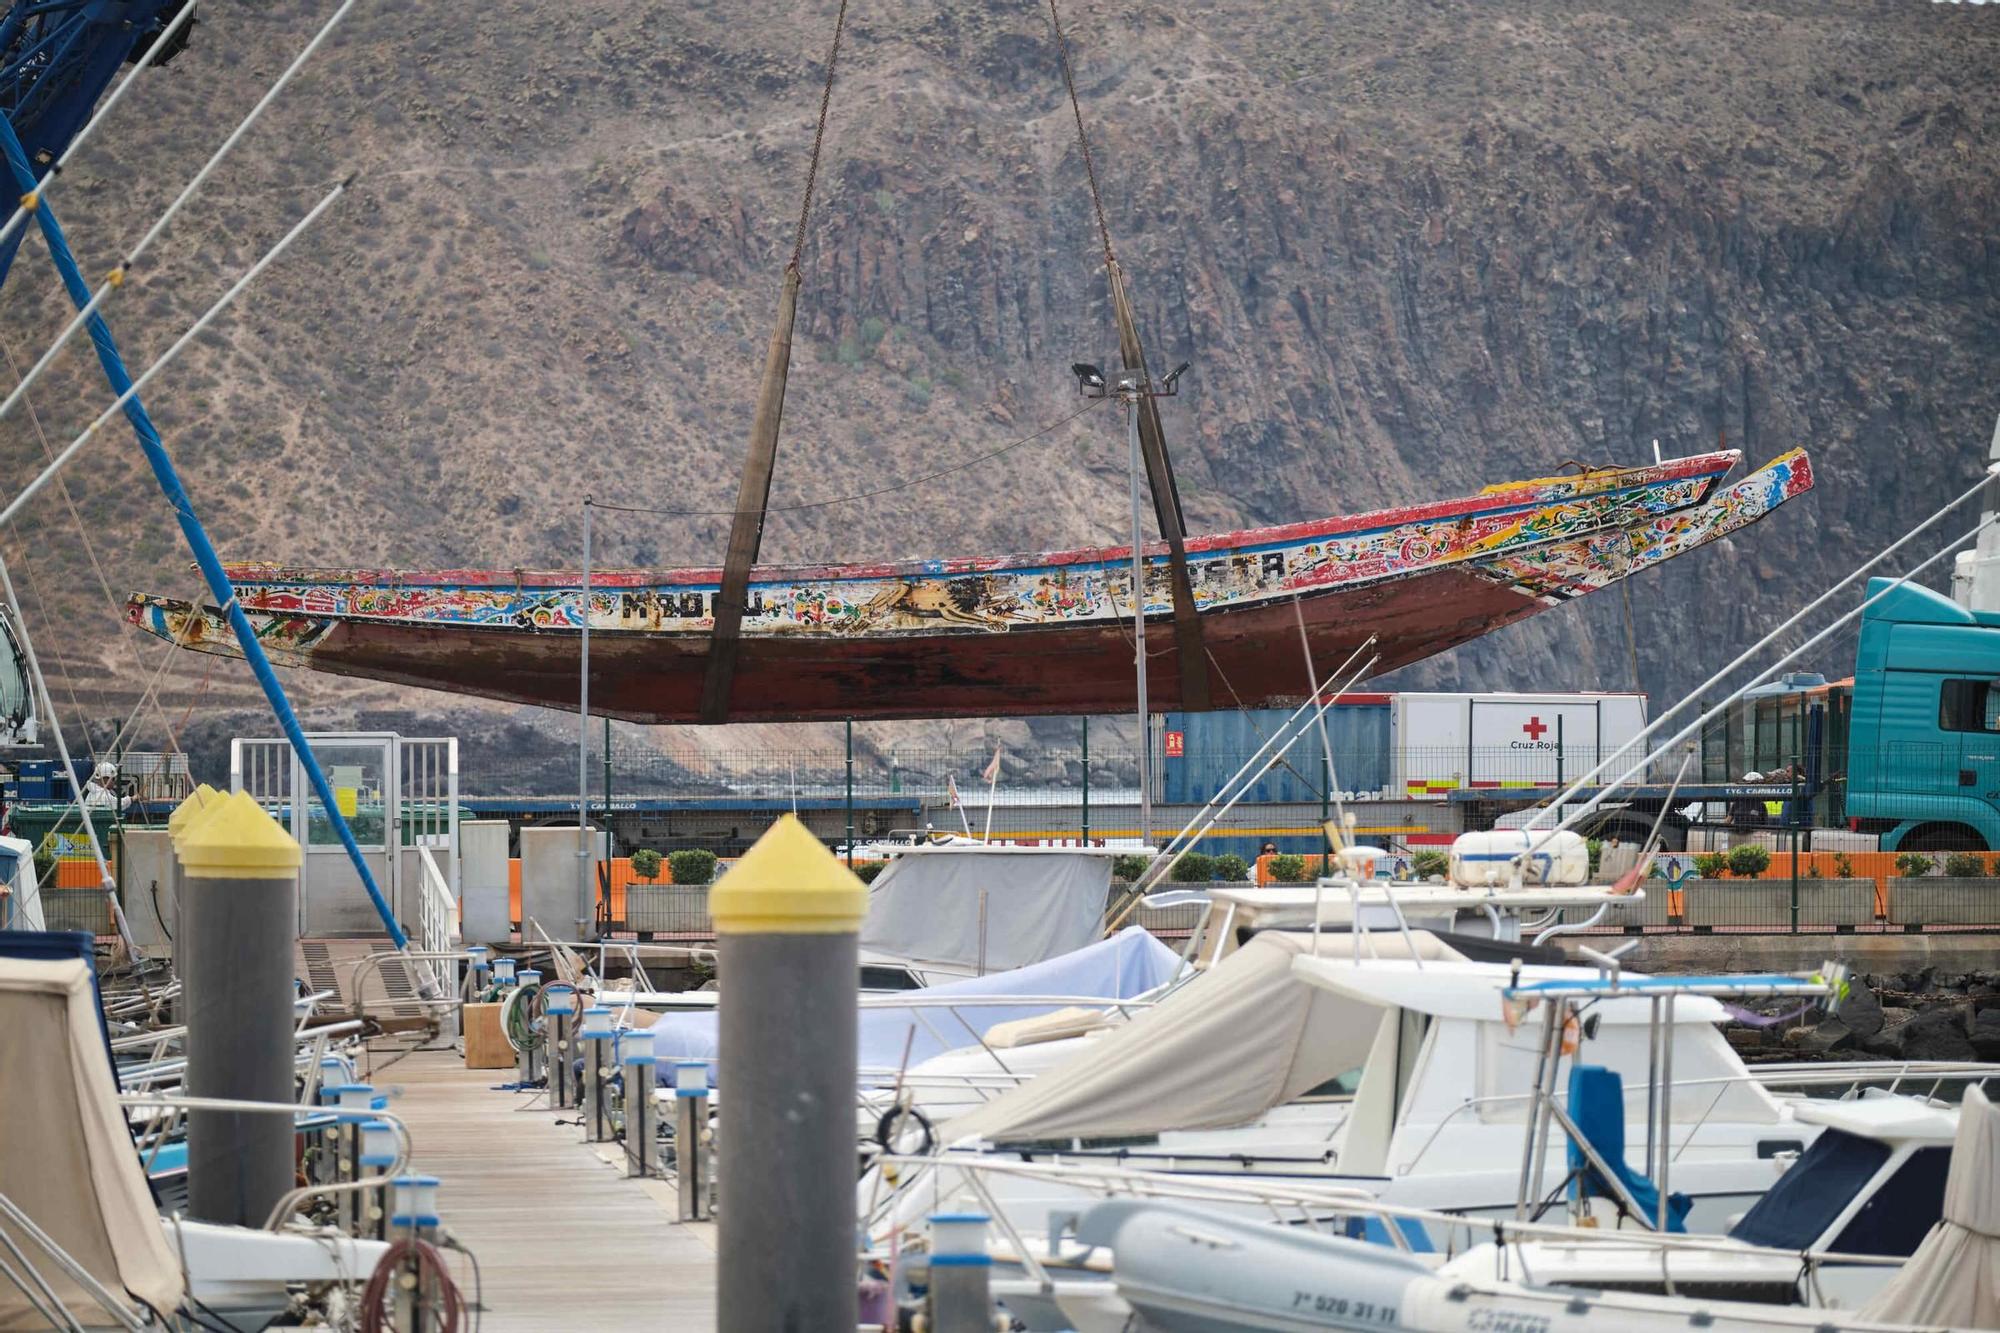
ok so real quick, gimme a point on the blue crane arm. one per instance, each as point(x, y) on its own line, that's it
point(56, 59)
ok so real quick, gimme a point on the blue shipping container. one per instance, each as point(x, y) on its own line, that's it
point(1202, 750)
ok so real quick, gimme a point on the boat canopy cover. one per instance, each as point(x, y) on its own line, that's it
point(66, 1158)
point(1128, 964)
point(1040, 902)
point(1953, 1280)
point(1242, 1038)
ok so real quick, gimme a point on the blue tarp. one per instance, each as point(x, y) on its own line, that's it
point(1130, 963)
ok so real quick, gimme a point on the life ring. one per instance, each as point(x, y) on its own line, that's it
point(893, 1125)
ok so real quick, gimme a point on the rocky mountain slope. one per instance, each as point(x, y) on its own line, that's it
point(1410, 250)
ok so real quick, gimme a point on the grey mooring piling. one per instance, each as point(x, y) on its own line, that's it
point(238, 915)
point(183, 818)
point(787, 921)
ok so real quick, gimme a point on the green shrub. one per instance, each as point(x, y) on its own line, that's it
point(1749, 861)
point(1964, 865)
point(1194, 868)
point(1288, 869)
point(1843, 866)
point(1595, 847)
point(1127, 868)
point(1710, 865)
point(1231, 868)
point(1425, 864)
point(646, 863)
point(693, 865)
point(1912, 865)
point(868, 870)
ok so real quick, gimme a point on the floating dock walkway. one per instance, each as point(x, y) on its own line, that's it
point(563, 1238)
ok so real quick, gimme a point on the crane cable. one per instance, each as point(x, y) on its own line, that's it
point(96, 567)
point(819, 137)
point(1082, 139)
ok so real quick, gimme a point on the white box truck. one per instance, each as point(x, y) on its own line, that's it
point(1445, 742)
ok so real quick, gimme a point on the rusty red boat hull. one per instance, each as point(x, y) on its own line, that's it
point(1018, 636)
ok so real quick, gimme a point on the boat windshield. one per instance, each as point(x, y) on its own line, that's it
point(1797, 1210)
point(1898, 1216)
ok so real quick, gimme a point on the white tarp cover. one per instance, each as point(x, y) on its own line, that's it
point(1128, 964)
point(1040, 902)
point(66, 1154)
point(1244, 1037)
point(1953, 1280)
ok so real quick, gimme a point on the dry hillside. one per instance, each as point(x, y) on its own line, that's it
point(1410, 248)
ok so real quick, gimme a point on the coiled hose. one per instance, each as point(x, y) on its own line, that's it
point(431, 1270)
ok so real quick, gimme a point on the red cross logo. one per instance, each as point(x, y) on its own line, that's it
point(1534, 726)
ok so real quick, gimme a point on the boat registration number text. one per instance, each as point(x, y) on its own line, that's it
point(1340, 1307)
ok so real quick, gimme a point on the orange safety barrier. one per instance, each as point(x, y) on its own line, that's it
point(75, 873)
point(621, 877)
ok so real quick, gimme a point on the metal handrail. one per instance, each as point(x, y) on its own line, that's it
point(437, 911)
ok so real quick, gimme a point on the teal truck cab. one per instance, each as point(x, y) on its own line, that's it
point(1923, 742)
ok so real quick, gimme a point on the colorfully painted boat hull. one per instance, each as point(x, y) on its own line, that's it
point(1037, 634)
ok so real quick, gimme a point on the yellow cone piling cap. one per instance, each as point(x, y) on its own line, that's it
point(197, 801)
point(788, 883)
point(216, 800)
point(238, 840)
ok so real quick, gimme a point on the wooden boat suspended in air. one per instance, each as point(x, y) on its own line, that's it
point(1012, 636)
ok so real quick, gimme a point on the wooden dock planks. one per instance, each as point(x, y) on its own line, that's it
point(563, 1239)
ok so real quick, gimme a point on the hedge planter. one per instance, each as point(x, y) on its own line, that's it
point(1840, 903)
point(1944, 900)
point(1708, 903)
point(667, 909)
point(1651, 912)
point(87, 910)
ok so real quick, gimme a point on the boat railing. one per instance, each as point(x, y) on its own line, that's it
point(164, 1078)
point(1286, 1202)
point(175, 1106)
point(38, 1289)
point(374, 962)
point(1852, 1078)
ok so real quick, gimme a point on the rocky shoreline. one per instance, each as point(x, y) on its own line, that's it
point(1931, 1014)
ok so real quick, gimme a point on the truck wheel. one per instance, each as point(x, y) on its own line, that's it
point(1942, 838)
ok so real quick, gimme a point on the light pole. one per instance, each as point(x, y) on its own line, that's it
point(584, 911)
point(1128, 387)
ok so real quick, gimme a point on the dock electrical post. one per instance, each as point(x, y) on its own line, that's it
point(598, 1035)
point(558, 1024)
point(787, 924)
point(239, 910)
point(690, 1121)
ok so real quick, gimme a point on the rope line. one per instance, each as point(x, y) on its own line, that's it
point(819, 137)
point(1082, 139)
point(974, 461)
point(90, 550)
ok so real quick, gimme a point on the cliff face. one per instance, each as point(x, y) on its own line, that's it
point(1410, 250)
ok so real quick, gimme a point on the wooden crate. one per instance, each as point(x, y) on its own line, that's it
point(485, 1040)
